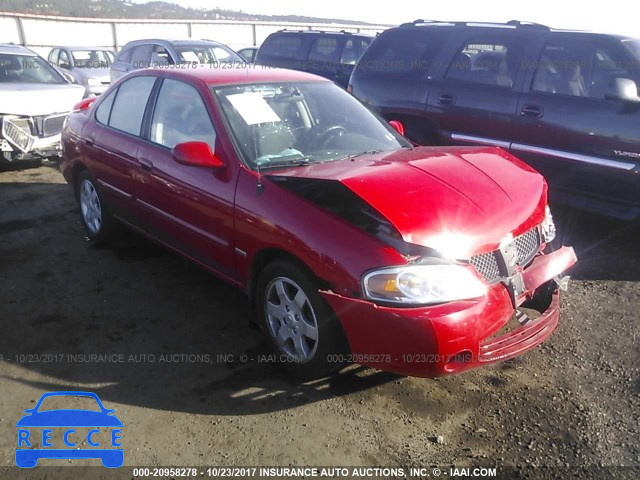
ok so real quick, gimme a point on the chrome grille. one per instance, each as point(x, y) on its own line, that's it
point(16, 135)
point(53, 125)
point(527, 246)
point(487, 265)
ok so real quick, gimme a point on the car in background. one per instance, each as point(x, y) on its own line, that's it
point(88, 66)
point(329, 54)
point(35, 100)
point(432, 253)
point(566, 102)
point(164, 53)
point(248, 54)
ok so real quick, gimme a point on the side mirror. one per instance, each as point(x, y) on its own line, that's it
point(397, 126)
point(196, 154)
point(622, 89)
point(68, 77)
point(64, 65)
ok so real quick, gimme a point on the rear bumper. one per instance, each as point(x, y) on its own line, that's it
point(450, 338)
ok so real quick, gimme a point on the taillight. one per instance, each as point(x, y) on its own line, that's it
point(350, 88)
point(84, 104)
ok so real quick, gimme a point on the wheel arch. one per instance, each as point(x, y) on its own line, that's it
point(268, 255)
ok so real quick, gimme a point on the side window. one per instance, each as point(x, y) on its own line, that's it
point(64, 61)
point(353, 50)
point(160, 56)
point(129, 104)
point(125, 55)
point(606, 65)
point(283, 46)
point(402, 52)
point(563, 69)
point(141, 56)
point(489, 61)
point(104, 109)
point(53, 56)
point(181, 116)
point(324, 49)
point(221, 54)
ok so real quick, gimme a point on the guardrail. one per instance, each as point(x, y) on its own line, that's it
point(41, 32)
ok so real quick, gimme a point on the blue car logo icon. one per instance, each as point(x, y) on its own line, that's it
point(70, 420)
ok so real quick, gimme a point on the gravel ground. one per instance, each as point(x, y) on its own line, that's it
point(573, 402)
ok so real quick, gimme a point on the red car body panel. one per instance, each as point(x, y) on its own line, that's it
point(225, 219)
point(427, 341)
point(428, 190)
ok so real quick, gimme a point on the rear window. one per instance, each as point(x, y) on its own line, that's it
point(282, 46)
point(402, 51)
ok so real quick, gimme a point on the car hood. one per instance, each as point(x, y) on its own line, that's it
point(66, 418)
point(462, 200)
point(38, 99)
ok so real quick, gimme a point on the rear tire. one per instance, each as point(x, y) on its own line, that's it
point(303, 330)
point(98, 223)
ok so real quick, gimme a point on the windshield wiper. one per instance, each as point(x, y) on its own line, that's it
point(284, 162)
point(360, 154)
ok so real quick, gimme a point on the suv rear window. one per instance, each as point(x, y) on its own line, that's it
point(401, 52)
point(282, 46)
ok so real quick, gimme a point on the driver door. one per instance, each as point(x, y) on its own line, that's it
point(192, 206)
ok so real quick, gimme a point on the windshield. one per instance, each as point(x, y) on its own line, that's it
point(27, 69)
point(92, 58)
point(206, 54)
point(634, 46)
point(289, 124)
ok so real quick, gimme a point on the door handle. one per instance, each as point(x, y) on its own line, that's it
point(532, 111)
point(446, 99)
point(145, 164)
point(89, 141)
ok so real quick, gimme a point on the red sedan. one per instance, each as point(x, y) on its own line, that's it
point(352, 244)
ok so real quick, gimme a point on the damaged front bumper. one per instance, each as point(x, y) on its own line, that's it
point(24, 138)
point(457, 336)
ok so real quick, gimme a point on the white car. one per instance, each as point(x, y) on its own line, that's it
point(34, 102)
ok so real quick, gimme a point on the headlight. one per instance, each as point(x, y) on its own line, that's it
point(423, 284)
point(548, 227)
point(93, 82)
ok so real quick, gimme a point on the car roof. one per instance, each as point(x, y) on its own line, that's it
point(11, 49)
point(226, 76)
point(340, 33)
point(178, 42)
point(511, 25)
point(82, 47)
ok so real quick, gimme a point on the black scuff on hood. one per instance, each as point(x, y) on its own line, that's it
point(333, 196)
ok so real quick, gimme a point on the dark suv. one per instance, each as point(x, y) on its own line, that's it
point(564, 101)
point(329, 54)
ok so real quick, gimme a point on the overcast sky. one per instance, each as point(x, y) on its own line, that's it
point(610, 16)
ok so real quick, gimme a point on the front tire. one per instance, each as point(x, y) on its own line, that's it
point(98, 223)
point(302, 328)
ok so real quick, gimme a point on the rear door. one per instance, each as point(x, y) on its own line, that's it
point(112, 139)
point(324, 56)
point(191, 207)
point(285, 50)
point(475, 97)
point(586, 145)
point(394, 75)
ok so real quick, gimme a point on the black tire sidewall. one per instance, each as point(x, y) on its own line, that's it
point(107, 227)
point(332, 344)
